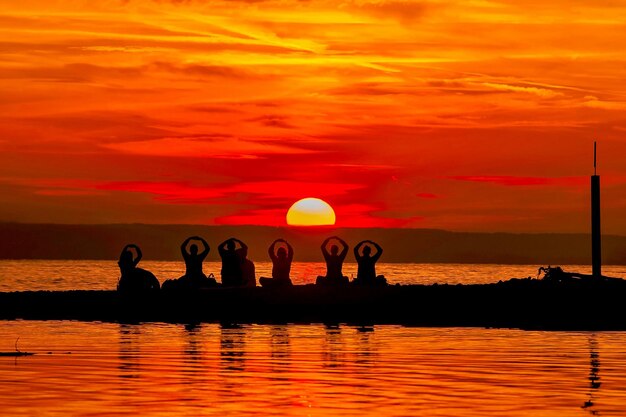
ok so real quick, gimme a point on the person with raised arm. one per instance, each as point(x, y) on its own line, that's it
point(281, 265)
point(194, 277)
point(134, 280)
point(126, 261)
point(334, 262)
point(232, 272)
point(193, 259)
point(366, 273)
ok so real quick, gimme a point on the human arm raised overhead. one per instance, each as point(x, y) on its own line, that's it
point(183, 247)
point(344, 251)
point(289, 251)
point(288, 246)
point(124, 249)
point(206, 249)
point(357, 250)
point(243, 245)
point(222, 248)
point(137, 252)
point(324, 246)
point(379, 250)
point(271, 251)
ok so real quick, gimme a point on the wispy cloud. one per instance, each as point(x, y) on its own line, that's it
point(207, 147)
point(511, 181)
point(405, 113)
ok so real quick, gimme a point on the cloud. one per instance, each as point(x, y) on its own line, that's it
point(83, 72)
point(511, 181)
point(369, 215)
point(350, 215)
point(80, 132)
point(596, 103)
point(76, 73)
point(263, 217)
point(205, 147)
point(202, 70)
point(407, 11)
point(172, 110)
point(541, 92)
point(273, 121)
point(206, 2)
point(66, 192)
point(280, 192)
point(53, 187)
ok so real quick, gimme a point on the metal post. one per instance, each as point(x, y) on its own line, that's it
point(596, 240)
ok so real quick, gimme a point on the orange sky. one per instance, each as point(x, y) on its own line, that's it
point(469, 115)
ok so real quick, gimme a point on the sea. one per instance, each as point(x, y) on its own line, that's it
point(158, 369)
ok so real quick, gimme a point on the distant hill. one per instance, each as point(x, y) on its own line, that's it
point(162, 242)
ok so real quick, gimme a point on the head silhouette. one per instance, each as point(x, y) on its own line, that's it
point(230, 245)
point(126, 261)
point(242, 252)
point(126, 257)
point(334, 250)
point(193, 249)
point(367, 251)
point(281, 253)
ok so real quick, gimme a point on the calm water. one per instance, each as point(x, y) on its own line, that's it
point(104, 369)
point(88, 275)
point(97, 369)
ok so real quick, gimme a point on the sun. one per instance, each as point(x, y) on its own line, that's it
point(311, 212)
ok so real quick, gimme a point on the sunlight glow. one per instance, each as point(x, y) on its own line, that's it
point(311, 212)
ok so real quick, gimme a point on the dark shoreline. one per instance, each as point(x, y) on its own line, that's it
point(518, 303)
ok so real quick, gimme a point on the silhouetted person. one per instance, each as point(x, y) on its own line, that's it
point(366, 273)
point(334, 263)
point(134, 280)
point(194, 277)
point(281, 269)
point(193, 259)
point(232, 273)
point(248, 271)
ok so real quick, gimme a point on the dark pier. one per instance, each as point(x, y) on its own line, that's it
point(588, 304)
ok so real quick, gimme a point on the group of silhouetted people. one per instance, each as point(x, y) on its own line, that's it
point(366, 272)
point(239, 271)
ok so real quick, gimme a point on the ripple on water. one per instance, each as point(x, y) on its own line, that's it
point(103, 275)
point(159, 369)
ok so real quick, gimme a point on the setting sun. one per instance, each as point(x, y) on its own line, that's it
point(310, 212)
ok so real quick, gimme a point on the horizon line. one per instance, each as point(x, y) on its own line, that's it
point(297, 228)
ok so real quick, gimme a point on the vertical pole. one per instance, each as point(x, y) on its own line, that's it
point(596, 240)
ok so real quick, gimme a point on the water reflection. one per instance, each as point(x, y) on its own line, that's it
point(193, 343)
point(129, 352)
point(280, 343)
point(232, 347)
point(333, 353)
point(166, 369)
point(594, 375)
point(366, 351)
point(194, 371)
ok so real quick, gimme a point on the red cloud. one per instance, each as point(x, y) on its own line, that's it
point(261, 217)
point(426, 195)
point(511, 181)
point(350, 215)
point(185, 193)
point(174, 193)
